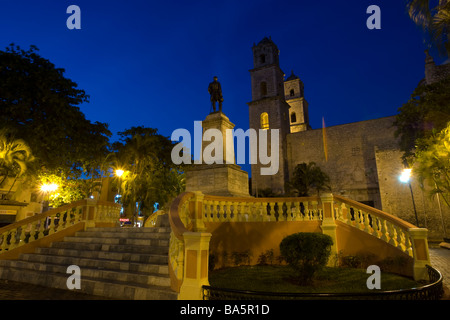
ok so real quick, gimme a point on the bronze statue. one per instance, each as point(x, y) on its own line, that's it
point(215, 90)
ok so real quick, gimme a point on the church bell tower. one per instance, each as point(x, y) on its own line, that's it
point(269, 110)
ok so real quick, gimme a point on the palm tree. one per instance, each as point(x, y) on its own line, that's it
point(308, 176)
point(15, 157)
point(434, 20)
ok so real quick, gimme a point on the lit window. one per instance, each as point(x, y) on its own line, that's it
point(264, 121)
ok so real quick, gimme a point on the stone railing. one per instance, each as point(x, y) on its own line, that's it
point(399, 233)
point(151, 221)
point(41, 229)
point(227, 209)
point(191, 212)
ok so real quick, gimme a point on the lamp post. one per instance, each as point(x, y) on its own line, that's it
point(405, 177)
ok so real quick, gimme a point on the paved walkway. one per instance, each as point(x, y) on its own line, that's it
point(440, 259)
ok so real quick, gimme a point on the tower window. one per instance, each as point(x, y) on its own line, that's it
point(262, 58)
point(264, 121)
point(263, 88)
point(292, 93)
point(293, 117)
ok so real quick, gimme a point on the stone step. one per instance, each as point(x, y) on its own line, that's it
point(126, 248)
point(111, 288)
point(120, 263)
point(100, 274)
point(128, 235)
point(132, 230)
point(156, 258)
point(121, 241)
point(104, 264)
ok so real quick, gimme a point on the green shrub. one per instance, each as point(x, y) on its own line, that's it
point(306, 253)
point(266, 258)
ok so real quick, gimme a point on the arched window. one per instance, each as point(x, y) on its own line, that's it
point(293, 117)
point(264, 121)
point(292, 93)
point(263, 88)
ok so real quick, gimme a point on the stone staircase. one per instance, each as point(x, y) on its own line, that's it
point(118, 263)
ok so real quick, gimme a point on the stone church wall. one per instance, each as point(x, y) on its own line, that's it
point(351, 162)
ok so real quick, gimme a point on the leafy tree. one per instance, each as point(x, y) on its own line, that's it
point(308, 177)
point(40, 106)
point(150, 176)
point(69, 189)
point(427, 110)
point(433, 163)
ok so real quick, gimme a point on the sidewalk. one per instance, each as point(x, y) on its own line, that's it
point(440, 259)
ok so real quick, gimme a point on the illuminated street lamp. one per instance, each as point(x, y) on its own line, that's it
point(405, 177)
point(48, 188)
point(119, 172)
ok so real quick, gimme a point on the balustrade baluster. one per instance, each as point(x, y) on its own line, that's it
point(408, 245)
point(41, 228)
point(247, 212)
point(4, 245)
point(264, 211)
point(22, 236)
point(221, 211)
point(384, 230)
point(392, 235)
point(290, 210)
point(315, 210)
point(296, 211)
point(215, 211)
point(366, 222)
point(375, 227)
point(400, 238)
point(51, 227)
point(12, 239)
point(229, 217)
point(306, 209)
point(349, 215)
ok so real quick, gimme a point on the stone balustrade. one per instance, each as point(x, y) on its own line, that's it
point(43, 228)
point(192, 212)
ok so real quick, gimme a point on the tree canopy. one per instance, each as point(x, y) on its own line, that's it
point(149, 174)
point(41, 106)
point(308, 177)
point(427, 111)
point(434, 18)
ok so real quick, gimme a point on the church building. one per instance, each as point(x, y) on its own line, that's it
point(362, 159)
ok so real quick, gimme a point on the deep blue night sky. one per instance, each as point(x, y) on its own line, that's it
point(149, 62)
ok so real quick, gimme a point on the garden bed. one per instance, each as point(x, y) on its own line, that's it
point(278, 279)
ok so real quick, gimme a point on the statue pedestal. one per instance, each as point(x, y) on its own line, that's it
point(226, 179)
point(218, 179)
